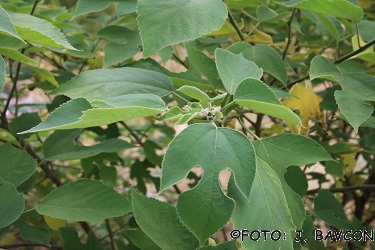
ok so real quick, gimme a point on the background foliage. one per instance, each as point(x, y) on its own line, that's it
point(280, 92)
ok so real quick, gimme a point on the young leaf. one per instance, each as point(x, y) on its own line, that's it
point(79, 113)
point(266, 208)
point(12, 203)
point(180, 116)
point(205, 209)
point(340, 8)
point(307, 102)
point(67, 149)
point(329, 209)
point(194, 92)
point(160, 222)
point(233, 69)
point(39, 32)
point(84, 200)
point(18, 167)
point(254, 94)
point(105, 83)
point(166, 22)
point(7, 27)
point(285, 150)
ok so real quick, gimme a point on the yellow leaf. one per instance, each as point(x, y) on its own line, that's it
point(227, 29)
point(307, 102)
point(54, 223)
point(9, 239)
point(293, 127)
point(259, 37)
point(275, 129)
point(349, 162)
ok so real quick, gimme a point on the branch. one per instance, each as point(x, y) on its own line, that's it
point(3, 114)
point(345, 189)
point(289, 34)
point(30, 245)
point(340, 60)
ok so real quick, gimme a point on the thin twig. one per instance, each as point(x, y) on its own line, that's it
point(180, 61)
point(247, 129)
point(289, 34)
point(182, 98)
point(344, 189)
point(110, 234)
point(234, 24)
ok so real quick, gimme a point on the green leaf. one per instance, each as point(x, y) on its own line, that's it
point(285, 150)
point(160, 222)
point(67, 149)
point(205, 209)
point(333, 26)
point(254, 94)
point(116, 53)
point(296, 180)
point(141, 240)
point(18, 167)
point(366, 29)
point(44, 73)
point(84, 200)
point(264, 56)
point(32, 233)
point(39, 32)
point(228, 245)
point(240, 4)
point(2, 73)
point(126, 7)
point(123, 44)
point(9, 42)
point(7, 27)
point(149, 148)
point(16, 56)
point(12, 203)
point(264, 13)
point(24, 122)
point(87, 6)
point(200, 65)
point(165, 53)
point(79, 113)
point(329, 209)
point(357, 88)
point(105, 83)
point(72, 241)
point(266, 208)
point(233, 69)
point(195, 93)
point(166, 22)
point(340, 8)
